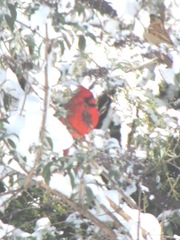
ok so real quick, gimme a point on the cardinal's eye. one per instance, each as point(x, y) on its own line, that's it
point(90, 101)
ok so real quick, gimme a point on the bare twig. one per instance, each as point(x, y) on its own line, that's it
point(127, 198)
point(119, 210)
point(24, 101)
point(111, 215)
point(127, 217)
point(144, 65)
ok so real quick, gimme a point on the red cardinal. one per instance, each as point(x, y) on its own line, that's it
point(82, 114)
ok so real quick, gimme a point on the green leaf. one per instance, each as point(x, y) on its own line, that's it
point(30, 43)
point(177, 77)
point(7, 102)
point(1, 18)
point(61, 43)
point(71, 175)
point(1, 124)
point(168, 230)
point(82, 42)
point(61, 18)
point(90, 195)
point(2, 187)
point(80, 9)
point(11, 143)
point(12, 9)
point(50, 142)
point(47, 172)
point(91, 36)
point(10, 22)
point(176, 218)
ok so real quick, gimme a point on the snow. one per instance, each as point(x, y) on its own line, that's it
point(40, 18)
point(99, 55)
point(168, 75)
point(139, 28)
point(176, 59)
point(126, 9)
point(5, 230)
point(113, 195)
point(111, 26)
point(29, 124)
point(99, 139)
point(146, 221)
point(19, 233)
point(59, 134)
point(61, 183)
point(173, 5)
point(10, 83)
point(66, 6)
point(131, 189)
point(4, 201)
point(176, 237)
point(26, 113)
point(143, 188)
point(43, 223)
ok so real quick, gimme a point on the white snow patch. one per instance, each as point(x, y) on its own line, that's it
point(98, 138)
point(43, 223)
point(176, 61)
point(10, 83)
point(5, 230)
point(126, 9)
point(146, 221)
point(18, 233)
point(131, 189)
point(3, 200)
point(151, 197)
point(59, 134)
point(26, 127)
point(111, 26)
point(143, 188)
point(61, 183)
point(113, 195)
point(168, 75)
point(176, 237)
point(39, 18)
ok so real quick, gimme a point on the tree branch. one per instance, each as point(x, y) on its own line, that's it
point(77, 207)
